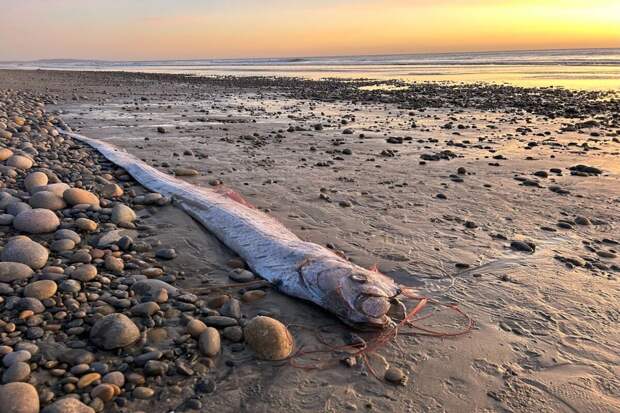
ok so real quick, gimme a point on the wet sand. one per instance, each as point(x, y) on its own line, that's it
point(442, 188)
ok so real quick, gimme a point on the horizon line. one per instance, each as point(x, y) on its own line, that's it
point(309, 57)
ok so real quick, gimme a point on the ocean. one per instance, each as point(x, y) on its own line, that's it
point(590, 69)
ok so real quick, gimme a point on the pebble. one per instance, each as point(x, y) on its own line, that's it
point(114, 331)
point(22, 249)
point(84, 273)
point(268, 338)
point(47, 200)
point(240, 275)
point(77, 196)
point(19, 162)
point(88, 379)
point(143, 393)
point(41, 289)
point(36, 221)
point(35, 179)
point(122, 214)
point(209, 342)
point(196, 327)
point(18, 371)
point(20, 398)
point(166, 253)
point(14, 271)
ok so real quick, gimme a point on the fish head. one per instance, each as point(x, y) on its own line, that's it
point(359, 297)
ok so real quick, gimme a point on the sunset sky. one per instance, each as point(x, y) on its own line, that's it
point(187, 29)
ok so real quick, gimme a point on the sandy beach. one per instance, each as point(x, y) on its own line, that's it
point(500, 199)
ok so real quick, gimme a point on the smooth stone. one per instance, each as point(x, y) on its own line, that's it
point(19, 162)
point(143, 393)
point(88, 379)
point(5, 153)
point(84, 273)
point(77, 196)
point(15, 357)
point(112, 190)
point(269, 338)
point(23, 250)
point(210, 342)
point(20, 398)
point(61, 245)
point(104, 391)
point(14, 271)
point(114, 331)
point(241, 276)
point(146, 309)
point(151, 286)
point(35, 179)
point(114, 377)
point(47, 200)
point(18, 371)
point(122, 214)
point(57, 189)
point(16, 208)
point(67, 234)
point(68, 405)
point(87, 225)
point(196, 327)
point(41, 289)
point(6, 219)
point(395, 375)
point(36, 221)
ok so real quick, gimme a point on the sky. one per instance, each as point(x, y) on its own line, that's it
point(193, 29)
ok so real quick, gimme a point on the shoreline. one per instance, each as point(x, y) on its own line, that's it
point(373, 193)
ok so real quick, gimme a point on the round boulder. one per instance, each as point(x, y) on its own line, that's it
point(114, 331)
point(47, 200)
point(14, 271)
point(36, 221)
point(19, 398)
point(77, 196)
point(269, 338)
point(23, 250)
point(58, 188)
point(19, 162)
point(35, 179)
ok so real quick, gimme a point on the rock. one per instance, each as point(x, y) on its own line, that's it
point(166, 253)
point(77, 196)
point(114, 331)
point(269, 338)
point(35, 179)
point(36, 221)
point(23, 250)
point(109, 238)
point(111, 190)
point(68, 405)
point(5, 154)
point(196, 327)
point(67, 234)
point(19, 162)
point(523, 246)
point(84, 273)
point(20, 398)
point(395, 375)
point(16, 208)
point(209, 342)
point(183, 171)
point(14, 271)
point(85, 224)
point(116, 265)
point(146, 309)
point(104, 391)
point(253, 295)
point(19, 371)
point(61, 245)
point(41, 289)
point(57, 189)
point(233, 333)
point(151, 286)
point(122, 214)
point(6, 219)
point(47, 200)
point(240, 275)
point(142, 393)
point(15, 357)
point(88, 379)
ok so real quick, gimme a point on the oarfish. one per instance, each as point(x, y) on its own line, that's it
point(298, 268)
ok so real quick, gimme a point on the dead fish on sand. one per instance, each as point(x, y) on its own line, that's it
point(302, 269)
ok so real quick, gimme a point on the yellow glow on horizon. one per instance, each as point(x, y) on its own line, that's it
point(273, 28)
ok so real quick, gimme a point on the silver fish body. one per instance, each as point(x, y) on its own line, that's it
point(297, 268)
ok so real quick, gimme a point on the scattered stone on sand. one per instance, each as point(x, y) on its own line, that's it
point(122, 214)
point(209, 342)
point(395, 375)
point(77, 196)
point(268, 338)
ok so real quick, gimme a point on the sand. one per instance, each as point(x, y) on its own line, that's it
point(546, 336)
